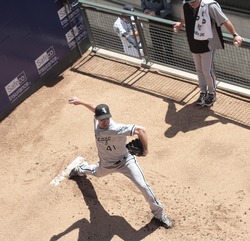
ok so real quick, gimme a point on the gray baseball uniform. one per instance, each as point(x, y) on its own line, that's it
point(114, 157)
point(122, 28)
point(203, 50)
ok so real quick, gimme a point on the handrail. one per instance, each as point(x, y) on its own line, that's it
point(227, 37)
point(160, 44)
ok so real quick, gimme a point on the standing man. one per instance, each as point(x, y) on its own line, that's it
point(125, 28)
point(161, 37)
point(203, 20)
point(114, 156)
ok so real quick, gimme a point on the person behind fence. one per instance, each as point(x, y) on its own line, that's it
point(203, 20)
point(115, 157)
point(125, 28)
point(161, 37)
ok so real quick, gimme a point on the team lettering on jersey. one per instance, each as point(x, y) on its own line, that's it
point(103, 139)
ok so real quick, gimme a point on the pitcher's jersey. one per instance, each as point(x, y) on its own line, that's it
point(111, 142)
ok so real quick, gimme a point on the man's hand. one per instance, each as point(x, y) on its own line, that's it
point(177, 26)
point(149, 12)
point(238, 39)
point(75, 100)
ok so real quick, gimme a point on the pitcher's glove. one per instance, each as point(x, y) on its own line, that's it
point(135, 147)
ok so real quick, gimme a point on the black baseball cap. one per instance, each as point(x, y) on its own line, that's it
point(129, 7)
point(102, 112)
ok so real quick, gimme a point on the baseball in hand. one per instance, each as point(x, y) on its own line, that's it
point(236, 44)
point(72, 100)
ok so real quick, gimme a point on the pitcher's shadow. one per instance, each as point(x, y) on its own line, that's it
point(103, 226)
point(188, 118)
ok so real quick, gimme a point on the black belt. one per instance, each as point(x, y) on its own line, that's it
point(118, 162)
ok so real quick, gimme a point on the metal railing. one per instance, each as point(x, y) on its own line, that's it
point(160, 44)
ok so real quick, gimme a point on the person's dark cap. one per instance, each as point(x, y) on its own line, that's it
point(189, 1)
point(102, 112)
point(129, 7)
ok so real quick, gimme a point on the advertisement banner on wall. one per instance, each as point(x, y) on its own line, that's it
point(35, 37)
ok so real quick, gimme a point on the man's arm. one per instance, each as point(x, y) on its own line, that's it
point(220, 18)
point(162, 13)
point(142, 135)
point(76, 101)
point(229, 26)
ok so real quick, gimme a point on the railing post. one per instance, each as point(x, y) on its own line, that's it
point(146, 59)
point(89, 31)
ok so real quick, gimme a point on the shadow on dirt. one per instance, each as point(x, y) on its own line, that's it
point(103, 226)
point(192, 117)
point(174, 90)
point(189, 118)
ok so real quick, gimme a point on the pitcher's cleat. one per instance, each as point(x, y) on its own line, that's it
point(73, 173)
point(78, 170)
point(165, 221)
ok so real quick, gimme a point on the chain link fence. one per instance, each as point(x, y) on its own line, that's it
point(158, 43)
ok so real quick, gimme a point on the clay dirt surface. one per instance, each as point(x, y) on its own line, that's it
point(198, 163)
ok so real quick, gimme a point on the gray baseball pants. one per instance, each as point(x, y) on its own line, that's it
point(204, 64)
point(130, 169)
